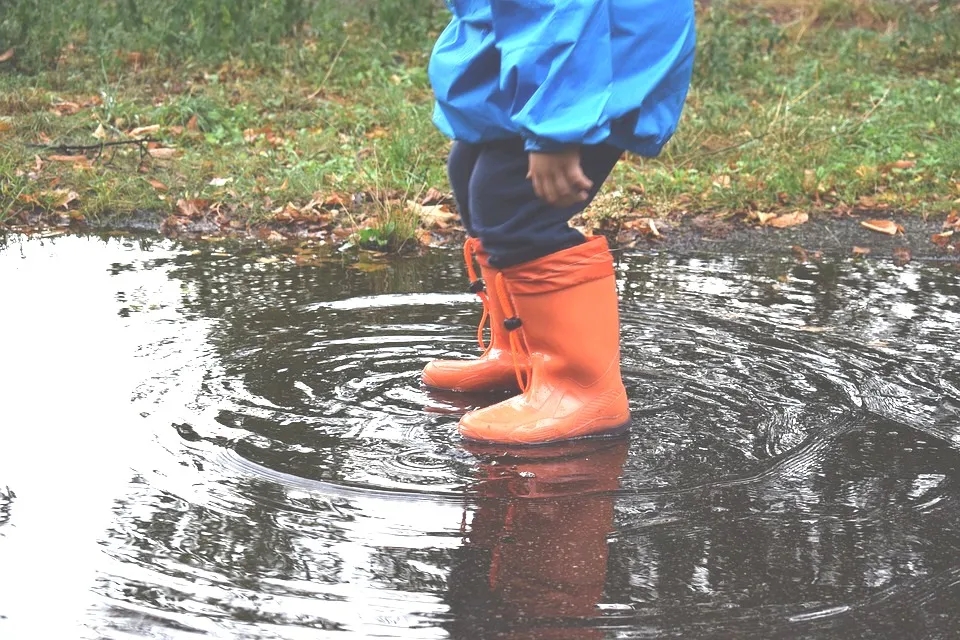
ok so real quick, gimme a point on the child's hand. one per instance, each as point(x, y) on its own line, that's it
point(558, 179)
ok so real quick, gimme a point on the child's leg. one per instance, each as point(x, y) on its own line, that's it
point(559, 300)
point(515, 225)
point(460, 165)
point(494, 370)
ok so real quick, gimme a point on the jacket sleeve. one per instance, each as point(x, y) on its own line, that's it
point(556, 71)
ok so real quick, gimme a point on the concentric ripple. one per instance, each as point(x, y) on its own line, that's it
point(791, 469)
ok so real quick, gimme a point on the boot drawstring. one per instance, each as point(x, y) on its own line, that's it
point(478, 287)
point(512, 324)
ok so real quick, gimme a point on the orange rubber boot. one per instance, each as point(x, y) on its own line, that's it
point(494, 370)
point(567, 321)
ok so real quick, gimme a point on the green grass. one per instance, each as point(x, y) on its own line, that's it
point(818, 105)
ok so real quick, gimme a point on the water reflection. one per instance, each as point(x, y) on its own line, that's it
point(534, 560)
point(259, 459)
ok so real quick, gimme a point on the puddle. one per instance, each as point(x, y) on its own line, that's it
point(201, 441)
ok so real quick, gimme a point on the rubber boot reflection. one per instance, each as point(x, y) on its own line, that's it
point(534, 562)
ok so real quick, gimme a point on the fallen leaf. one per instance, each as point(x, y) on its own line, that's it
point(764, 217)
point(162, 153)
point(722, 182)
point(100, 133)
point(80, 161)
point(901, 256)
point(653, 229)
point(7, 55)
point(952, 221)
point(64, 198)
point(135, 59)
point(192, 208)
point(334, 200)
point(5, 125)
point(432, 215)
point(220, 182)
point(66, 108)
point(942, 239)
point(888, 227)
point(156, 184)
point(903, 164)
point(861, 251)
point(789, 220)
point(435, 196)
point(799, 253)
point(193, 124)
point(287, 213)
point(140, 131)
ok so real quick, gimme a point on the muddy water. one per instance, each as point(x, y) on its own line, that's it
point(196, 440)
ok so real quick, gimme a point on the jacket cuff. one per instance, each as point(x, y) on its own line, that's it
point(543, 145)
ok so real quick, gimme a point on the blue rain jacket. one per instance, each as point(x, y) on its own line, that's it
point(563, 72)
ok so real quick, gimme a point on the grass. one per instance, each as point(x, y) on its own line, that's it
point(320, 123)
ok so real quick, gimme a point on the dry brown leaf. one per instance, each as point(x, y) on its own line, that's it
point(334, 200)
point(903, 164)
point(432, 215)
point(162, 153)
point(434, 196)
point(135, 59)
point(140, 131)
point(789, 220)
point(722, 182)
point(79, 161)
point(861, 251)
point(66, 108)
point(192, 208)
point(100, 133)
point(5, 125)
point(64, 198)
point(287, 213)
point(156, 184)
point(7, 55)
point(942, 239)
point(888, 227)
point(193, 124)
point(653, 229)
point(764, 217)
point(952, 221)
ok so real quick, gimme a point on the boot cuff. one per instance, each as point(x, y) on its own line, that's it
point(577, 265)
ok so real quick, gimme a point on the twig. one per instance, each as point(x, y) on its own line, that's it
point(333, 64)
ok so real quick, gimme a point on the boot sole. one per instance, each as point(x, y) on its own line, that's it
point(613, 432)
point(471, 392)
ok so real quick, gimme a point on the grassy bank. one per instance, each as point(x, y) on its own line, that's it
point(319, 124)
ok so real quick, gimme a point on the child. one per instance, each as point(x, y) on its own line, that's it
point(542, 97)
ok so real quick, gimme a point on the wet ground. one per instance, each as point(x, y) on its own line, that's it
point(202, 442)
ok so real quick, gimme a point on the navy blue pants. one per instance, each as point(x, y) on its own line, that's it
point(497, 202)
